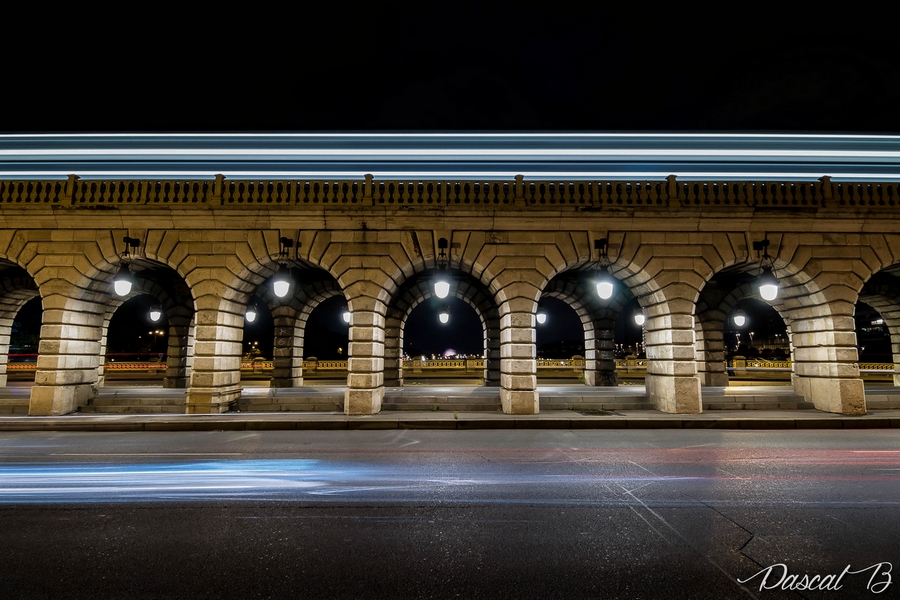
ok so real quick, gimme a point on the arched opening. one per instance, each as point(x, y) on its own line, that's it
point(24, 342)
point(559, 342)
point(258, 342)
point(327, 330)
point(443, 339)
point(281, 335)
point(472, 331)
point(137, 346)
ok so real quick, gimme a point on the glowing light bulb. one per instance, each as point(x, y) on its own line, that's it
point(441, 288)
point(541, 318)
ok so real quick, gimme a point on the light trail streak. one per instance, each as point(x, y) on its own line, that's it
point(452, 156)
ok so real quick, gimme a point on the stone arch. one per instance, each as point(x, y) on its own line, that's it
point(598, 319)
point(716, 301)
point(174, 297)
point(418, 289)
point(882, 293)
point(290, 319)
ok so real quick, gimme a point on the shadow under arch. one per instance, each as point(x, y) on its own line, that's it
point(17, 288)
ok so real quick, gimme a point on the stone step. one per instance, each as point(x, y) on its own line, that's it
point(443, 407)
point(157, 401)
point(133, 409)
point(298, 406)
point(13, 406)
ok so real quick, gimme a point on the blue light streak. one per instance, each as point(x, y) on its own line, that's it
point(537, 156)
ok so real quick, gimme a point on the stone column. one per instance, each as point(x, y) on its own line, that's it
point(518, 366)
point(9, 308)
point(602, 372)
point(492, 351)
point(6, 321)
point(895, 350)
point(179, 318)
point(393, 350)
point(826, 361)
point(672, 382)
point(288, 348)
point(215, 381)
point(365, 377)
point(67, 367)
point(710, 350)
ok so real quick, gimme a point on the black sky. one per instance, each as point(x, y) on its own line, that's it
point(440, 67)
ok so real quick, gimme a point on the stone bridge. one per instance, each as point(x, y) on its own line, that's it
point(686, 251)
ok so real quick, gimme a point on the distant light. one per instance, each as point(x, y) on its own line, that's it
point(346, 316)
point(444, 315)
point(639, 318)
point(541, 318)
point(739, 318)
point(250, 315)
point(123, 281)
point(155, 313)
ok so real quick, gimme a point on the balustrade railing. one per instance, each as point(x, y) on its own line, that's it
point(513, 193)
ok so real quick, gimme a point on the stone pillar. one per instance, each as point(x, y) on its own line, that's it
point(602, 371)
point(518, 366)
point(215, 381)
point(67, 367)
point(393, 350)
point(179, 318)
point(8, 311)
point(6, 322)
point(826, 360)
point(287, 356)
point(590, 356)
point(492, 352)
point(895, 350)
point(710, 350)
point(672, 382)
point(365, 366)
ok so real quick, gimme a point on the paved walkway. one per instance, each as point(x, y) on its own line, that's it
point(753, 415)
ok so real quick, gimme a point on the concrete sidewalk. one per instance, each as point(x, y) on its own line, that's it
point(550, 419)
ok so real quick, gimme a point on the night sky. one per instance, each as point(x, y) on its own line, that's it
point(456, 66)
point(453, 67)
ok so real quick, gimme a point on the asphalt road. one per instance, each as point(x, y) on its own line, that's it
point(436, 514)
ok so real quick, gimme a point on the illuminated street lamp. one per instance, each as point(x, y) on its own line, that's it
point(639, 318)
point(155, 313)
point(441, 281)
point(541, 317)
point(346, 316)
point(281, 282)
point(444, 315)
point(739, 318)
point(251, 313)
point(767, 282)
point(605, 281)
point(124, 280)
